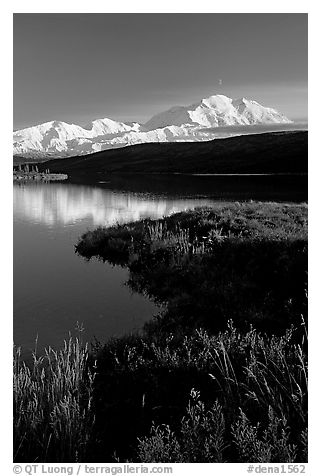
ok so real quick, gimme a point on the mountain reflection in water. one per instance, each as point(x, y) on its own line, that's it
point(65, 204)
point(53, 287)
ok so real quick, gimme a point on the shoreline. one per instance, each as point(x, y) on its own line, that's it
point(38, 177)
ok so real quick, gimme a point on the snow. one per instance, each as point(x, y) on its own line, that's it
point(179, 123)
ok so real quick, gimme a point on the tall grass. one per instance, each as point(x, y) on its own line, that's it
point(253, 406)
point(53, 415)
point(204, 437)
point(254, 391)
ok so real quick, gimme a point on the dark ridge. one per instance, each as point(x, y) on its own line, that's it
point(276, 152)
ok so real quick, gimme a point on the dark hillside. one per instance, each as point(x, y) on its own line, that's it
point(276, 152)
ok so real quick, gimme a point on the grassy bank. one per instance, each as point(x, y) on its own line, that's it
point(246, 262)
point(219, 375)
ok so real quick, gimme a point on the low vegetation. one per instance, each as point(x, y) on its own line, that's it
point(246, 383)
point(240, 261)
point(53, 417)
point(220, 375)
point(142, 405)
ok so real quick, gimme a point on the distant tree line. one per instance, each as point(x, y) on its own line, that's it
point(30, 169)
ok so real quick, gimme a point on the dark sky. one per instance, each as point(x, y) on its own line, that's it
point(79, 67)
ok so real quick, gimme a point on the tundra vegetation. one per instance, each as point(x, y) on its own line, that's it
point(219, 375)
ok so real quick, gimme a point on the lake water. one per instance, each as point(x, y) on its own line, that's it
point(54, 288)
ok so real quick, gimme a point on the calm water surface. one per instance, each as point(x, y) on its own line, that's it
point(54, 288)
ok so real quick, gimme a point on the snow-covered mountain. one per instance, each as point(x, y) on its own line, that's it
point(198, 122)
point(217, 111)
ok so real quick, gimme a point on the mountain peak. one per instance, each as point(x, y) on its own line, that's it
point(217, 101)
point(179, 123)
point(217, 111)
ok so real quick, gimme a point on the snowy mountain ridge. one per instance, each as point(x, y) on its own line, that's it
point(179, 123)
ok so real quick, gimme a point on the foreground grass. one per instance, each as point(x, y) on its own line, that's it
point(196, 386)
point(53, 416)
point(248, 382)
point(231, 397)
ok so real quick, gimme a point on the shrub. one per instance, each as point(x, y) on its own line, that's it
point(200, 439)
point(273, 446)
